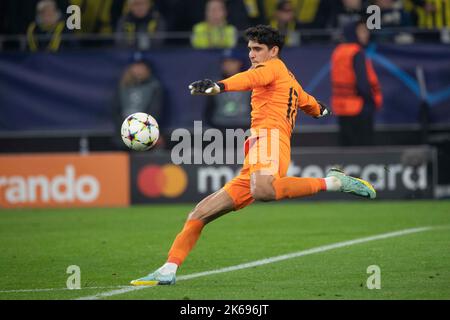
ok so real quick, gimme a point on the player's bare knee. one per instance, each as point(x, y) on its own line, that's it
point(202, 211)
point(261, 187)
point(263, 193)
point(212, 207)
point(197, 213)
point(197, 216)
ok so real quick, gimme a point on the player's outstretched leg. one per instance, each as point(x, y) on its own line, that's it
point(210, 208)
point(269, 188)
point(353, 185)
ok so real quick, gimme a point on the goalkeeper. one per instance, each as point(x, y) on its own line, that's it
point(276, 97)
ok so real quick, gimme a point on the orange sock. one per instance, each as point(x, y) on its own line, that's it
point(185, 241)
point(292, 187)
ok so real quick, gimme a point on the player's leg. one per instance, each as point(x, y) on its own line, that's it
point(235, 195)
point(268, 180)
point(207, 210)
point(267, 187)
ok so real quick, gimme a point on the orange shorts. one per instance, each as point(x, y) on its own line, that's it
point(258, 157)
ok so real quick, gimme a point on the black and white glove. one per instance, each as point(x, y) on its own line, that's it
point(324, 111)
point(206, 87)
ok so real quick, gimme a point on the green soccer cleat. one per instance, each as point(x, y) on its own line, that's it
point(353, 185)
point(154, 279)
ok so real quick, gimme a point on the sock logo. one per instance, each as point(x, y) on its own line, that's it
point(155, 181)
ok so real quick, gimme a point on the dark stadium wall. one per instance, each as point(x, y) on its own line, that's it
point(75, 90)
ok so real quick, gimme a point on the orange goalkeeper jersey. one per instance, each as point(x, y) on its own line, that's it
point(275, 98)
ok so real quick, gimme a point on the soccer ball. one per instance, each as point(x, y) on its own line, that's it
point(140, 131)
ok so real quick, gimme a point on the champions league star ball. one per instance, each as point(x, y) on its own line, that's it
point(140, 131)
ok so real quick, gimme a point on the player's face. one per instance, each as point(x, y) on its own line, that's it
point(259, 53)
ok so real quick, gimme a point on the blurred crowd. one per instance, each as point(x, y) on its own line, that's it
point(203, 23)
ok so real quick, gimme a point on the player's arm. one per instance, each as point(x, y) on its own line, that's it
point(259, 76)
point(309, 105)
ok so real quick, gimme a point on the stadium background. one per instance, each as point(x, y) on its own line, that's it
point(58, 137)
point(63, 101)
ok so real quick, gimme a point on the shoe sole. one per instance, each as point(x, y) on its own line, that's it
point(147, 283)
point(150, 283)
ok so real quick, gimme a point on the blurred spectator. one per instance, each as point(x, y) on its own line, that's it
point(255, 11)
point(45, 33)
point(284, 21)
point(140, 26)
point(270, 6)
point(429, 14)
point(15, 16)
point(393, 16)
point(231, 109)
point(309, 14)
point(99, 16)
point(314, 14)
point(346, 11)
point(214, 32)
point(356, 93)
point(246, 13)
point(139, 91)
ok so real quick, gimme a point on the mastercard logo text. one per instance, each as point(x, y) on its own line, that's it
point(168, 181)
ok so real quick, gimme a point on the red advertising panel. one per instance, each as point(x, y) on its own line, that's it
point(64, 180)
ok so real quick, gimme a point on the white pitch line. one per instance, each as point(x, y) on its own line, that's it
point(58, 289)
point(268, 260)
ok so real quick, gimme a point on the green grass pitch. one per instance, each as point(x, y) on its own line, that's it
point(114, 246)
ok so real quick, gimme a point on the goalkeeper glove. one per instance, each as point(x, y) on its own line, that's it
point(206, 87)
point(324, 111)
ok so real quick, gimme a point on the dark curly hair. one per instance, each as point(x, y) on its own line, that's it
point(264, 34)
